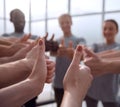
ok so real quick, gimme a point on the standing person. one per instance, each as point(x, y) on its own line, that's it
point(62, 61)
point(105, 88)
point(17, 17)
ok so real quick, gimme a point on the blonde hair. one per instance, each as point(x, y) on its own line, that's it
point(65, 15)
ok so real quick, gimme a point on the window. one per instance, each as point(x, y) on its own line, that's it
point(1, 27)
point(53, 28)
point(85, 6)
point(38, 9)
point(57, 7)
point(111, 5)
point(38, 28)
point(1, 8)
point(88, 27)
point(23, 5)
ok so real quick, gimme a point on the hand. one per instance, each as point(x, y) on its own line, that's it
point(30, 60)
point(50, 44)
point(19, 44)
point(78, 78)
point(70, 50)
point(22, 52)
point(95, 63)
point(62, 49)
point(39, 71)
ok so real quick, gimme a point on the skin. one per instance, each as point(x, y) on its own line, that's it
point(18, 19)
point(21, 69)
point(65, 23)
point(109, 32)
point(18, 55)
point(97, 64)
point(76, 81)
point(31, 86)
point(14, 47)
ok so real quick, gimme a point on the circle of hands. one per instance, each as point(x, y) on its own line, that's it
point(77, 78)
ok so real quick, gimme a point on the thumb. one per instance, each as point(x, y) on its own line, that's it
point(77, 55)
point(42, 45)
point(62, 44)
point(90, 53)
point(51, 39)
point(45, 37)
point(25, 37)
point(70, 44)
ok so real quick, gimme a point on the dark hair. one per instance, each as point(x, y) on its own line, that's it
point(113, 21)
point(14, 10)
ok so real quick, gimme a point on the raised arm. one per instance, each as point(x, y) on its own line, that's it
point(16, 95)
point(109, 54)
point(76, 82)
point(21, 69)
point(100, 66)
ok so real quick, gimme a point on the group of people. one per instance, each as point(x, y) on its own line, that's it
point(25, 69)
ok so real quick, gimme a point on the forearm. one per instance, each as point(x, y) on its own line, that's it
point(3, 50)
point(13, 72)
point(112, 54)
point(111, 66)
point(4, 60)
point(25, 90)
point(70, 100)
point(5, 42)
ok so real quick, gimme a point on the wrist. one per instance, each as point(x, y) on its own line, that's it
point(70, 100)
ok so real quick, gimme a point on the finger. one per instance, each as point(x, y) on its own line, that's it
point(29, 47)
point(45, 37)
point(36, 41)
point(90, 53)
point(49, 80)
point(77, 55)
point(40, 63)
point(42, 45)
point(50, 66)
point(25, 37)
point(62, 43)
point(70, 44)
point(51, 73)
point(52, 37)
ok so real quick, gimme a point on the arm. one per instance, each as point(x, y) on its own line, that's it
point(109, 54)
point(100, 66)
point(10, 50)
point(21, 69)
point(18, 55)
point(76, 82)
point(16, 95)
point(15, 47)
point(5, 42)
point(11, 73)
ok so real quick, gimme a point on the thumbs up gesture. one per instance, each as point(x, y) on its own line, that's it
point(70, 50)
point(78, 77)
point(95, 63)
point(62, 49)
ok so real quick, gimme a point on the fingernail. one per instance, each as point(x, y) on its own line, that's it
point(40, 42)
point(79, 48)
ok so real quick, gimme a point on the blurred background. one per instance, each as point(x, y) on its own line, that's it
point(41, 17)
